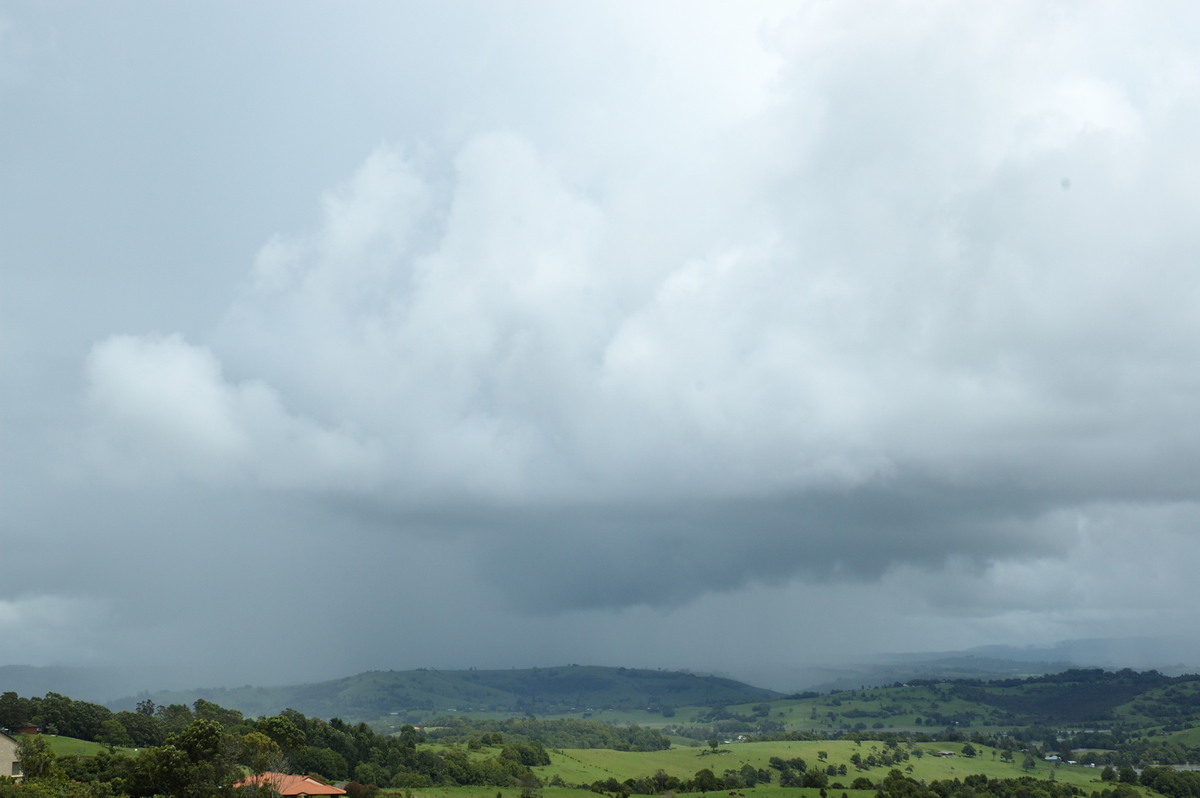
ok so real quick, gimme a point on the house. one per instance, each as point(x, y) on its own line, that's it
point(287, 785)
point(9, 761)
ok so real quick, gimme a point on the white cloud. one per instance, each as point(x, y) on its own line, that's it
point(161, 408)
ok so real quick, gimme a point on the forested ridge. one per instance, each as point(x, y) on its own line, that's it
point(539, 691)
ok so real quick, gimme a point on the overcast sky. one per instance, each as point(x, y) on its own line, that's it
point(688, 335)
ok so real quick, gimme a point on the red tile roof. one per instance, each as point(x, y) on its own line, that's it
point(285, 784)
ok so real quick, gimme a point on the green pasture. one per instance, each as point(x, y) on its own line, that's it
point(769, 791)
point(879, 708)
point(68, 746)
point(584, 766)
point(1190, 737)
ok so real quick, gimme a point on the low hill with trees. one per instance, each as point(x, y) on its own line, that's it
point(539, 691)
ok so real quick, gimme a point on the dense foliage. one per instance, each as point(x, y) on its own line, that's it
point(1073, 695)
point(558, 733)
point(203, 750)
point(897, 785)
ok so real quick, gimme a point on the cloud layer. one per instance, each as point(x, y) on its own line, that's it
point(695, 307)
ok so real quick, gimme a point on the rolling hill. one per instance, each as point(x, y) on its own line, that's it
point(554, 690)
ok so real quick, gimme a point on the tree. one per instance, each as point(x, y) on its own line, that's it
point(663, 782)
point(968, 750)
point(162, 770)
point(57, 714)
point(282, 730)
point(706, 781)
point(530, 785)
point(14, 710)
point(207, 710)
point(173, 716)
point(211, 760)
point(370, 773)
point(327, 762)
point(814, 778)
point(144, 729)
point(113, 734)
point(713, 743)
point(260, 753)
point(35, 757)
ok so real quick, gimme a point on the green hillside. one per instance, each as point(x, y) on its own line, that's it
point(1071, 696)
point(541, 691)
point(1125, 698)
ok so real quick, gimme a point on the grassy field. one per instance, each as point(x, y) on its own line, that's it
point(583, 766)
point(880, 708)
point(66, 746)
point(769, 791)
point(1187, 737)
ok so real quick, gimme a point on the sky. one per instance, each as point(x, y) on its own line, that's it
point(719, 336)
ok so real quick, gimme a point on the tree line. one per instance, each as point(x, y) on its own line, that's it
point(202, 750)
point(556, 733)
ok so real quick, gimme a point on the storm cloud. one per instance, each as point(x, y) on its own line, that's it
point(576, 329)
